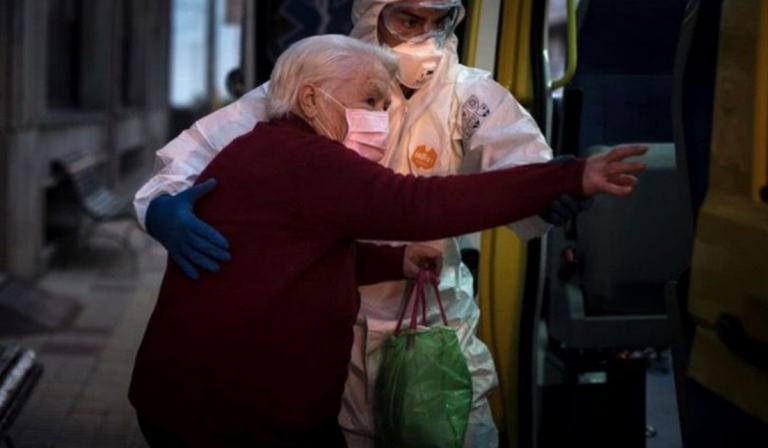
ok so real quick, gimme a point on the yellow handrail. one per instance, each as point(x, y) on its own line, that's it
point(508, 45)
point(572, 56)
point(760, 169)
point(472, 33)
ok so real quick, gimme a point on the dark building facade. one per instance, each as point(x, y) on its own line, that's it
point(75, 76)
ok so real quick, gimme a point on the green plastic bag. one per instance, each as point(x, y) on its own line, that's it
point(423, 393)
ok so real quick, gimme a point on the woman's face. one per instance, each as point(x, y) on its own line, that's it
point(368, 88)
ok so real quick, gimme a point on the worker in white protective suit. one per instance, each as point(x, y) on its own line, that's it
point(445, 118)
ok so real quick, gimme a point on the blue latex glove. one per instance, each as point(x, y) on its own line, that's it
point(191, 243)
point(566, 207)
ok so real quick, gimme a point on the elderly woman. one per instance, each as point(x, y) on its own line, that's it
point(257, 355)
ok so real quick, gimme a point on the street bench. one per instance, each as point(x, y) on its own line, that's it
point(98, 201)
point(19, 373)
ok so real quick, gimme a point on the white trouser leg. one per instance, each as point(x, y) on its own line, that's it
point(481, 432)
point(355, 440)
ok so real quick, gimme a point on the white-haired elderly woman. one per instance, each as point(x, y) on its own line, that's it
point(257, 355)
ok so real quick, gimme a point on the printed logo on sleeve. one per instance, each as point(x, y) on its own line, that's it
point(472, 114)
point(424, 158)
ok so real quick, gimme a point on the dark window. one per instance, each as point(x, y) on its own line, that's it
point(131, 87)
point(63, 71)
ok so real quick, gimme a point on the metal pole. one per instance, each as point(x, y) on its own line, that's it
point(211, 55)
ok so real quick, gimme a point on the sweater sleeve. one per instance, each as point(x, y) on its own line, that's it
point(376, 263)
point(346, 194)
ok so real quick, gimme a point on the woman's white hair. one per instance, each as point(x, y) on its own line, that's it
point(317, 60)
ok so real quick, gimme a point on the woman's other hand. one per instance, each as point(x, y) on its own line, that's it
point(608, 172)
point(418, 257)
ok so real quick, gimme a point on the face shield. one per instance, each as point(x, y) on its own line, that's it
point(414, 22)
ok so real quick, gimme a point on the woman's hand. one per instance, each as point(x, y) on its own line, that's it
point(608, 173)
point(421, 257)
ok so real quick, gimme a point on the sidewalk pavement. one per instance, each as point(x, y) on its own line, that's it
point(81, 400)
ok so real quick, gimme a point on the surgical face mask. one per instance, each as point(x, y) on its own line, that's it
point(367, 130)
point(418, 62)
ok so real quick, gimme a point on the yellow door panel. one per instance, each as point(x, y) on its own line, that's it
point(501, 284)
point(730, 263)
point(502, 253)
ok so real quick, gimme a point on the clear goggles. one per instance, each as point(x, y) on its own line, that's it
point(415, 22)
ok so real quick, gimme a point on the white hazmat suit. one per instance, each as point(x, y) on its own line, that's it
point(460, 122)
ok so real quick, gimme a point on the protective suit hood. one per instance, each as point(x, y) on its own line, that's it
point(365, 17)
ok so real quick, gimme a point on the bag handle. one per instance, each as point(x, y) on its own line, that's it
point(434, 280)
point(409, 291)
point(418, 292)
point(420, 299)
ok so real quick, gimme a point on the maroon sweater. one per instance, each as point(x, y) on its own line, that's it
point(258, 353)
